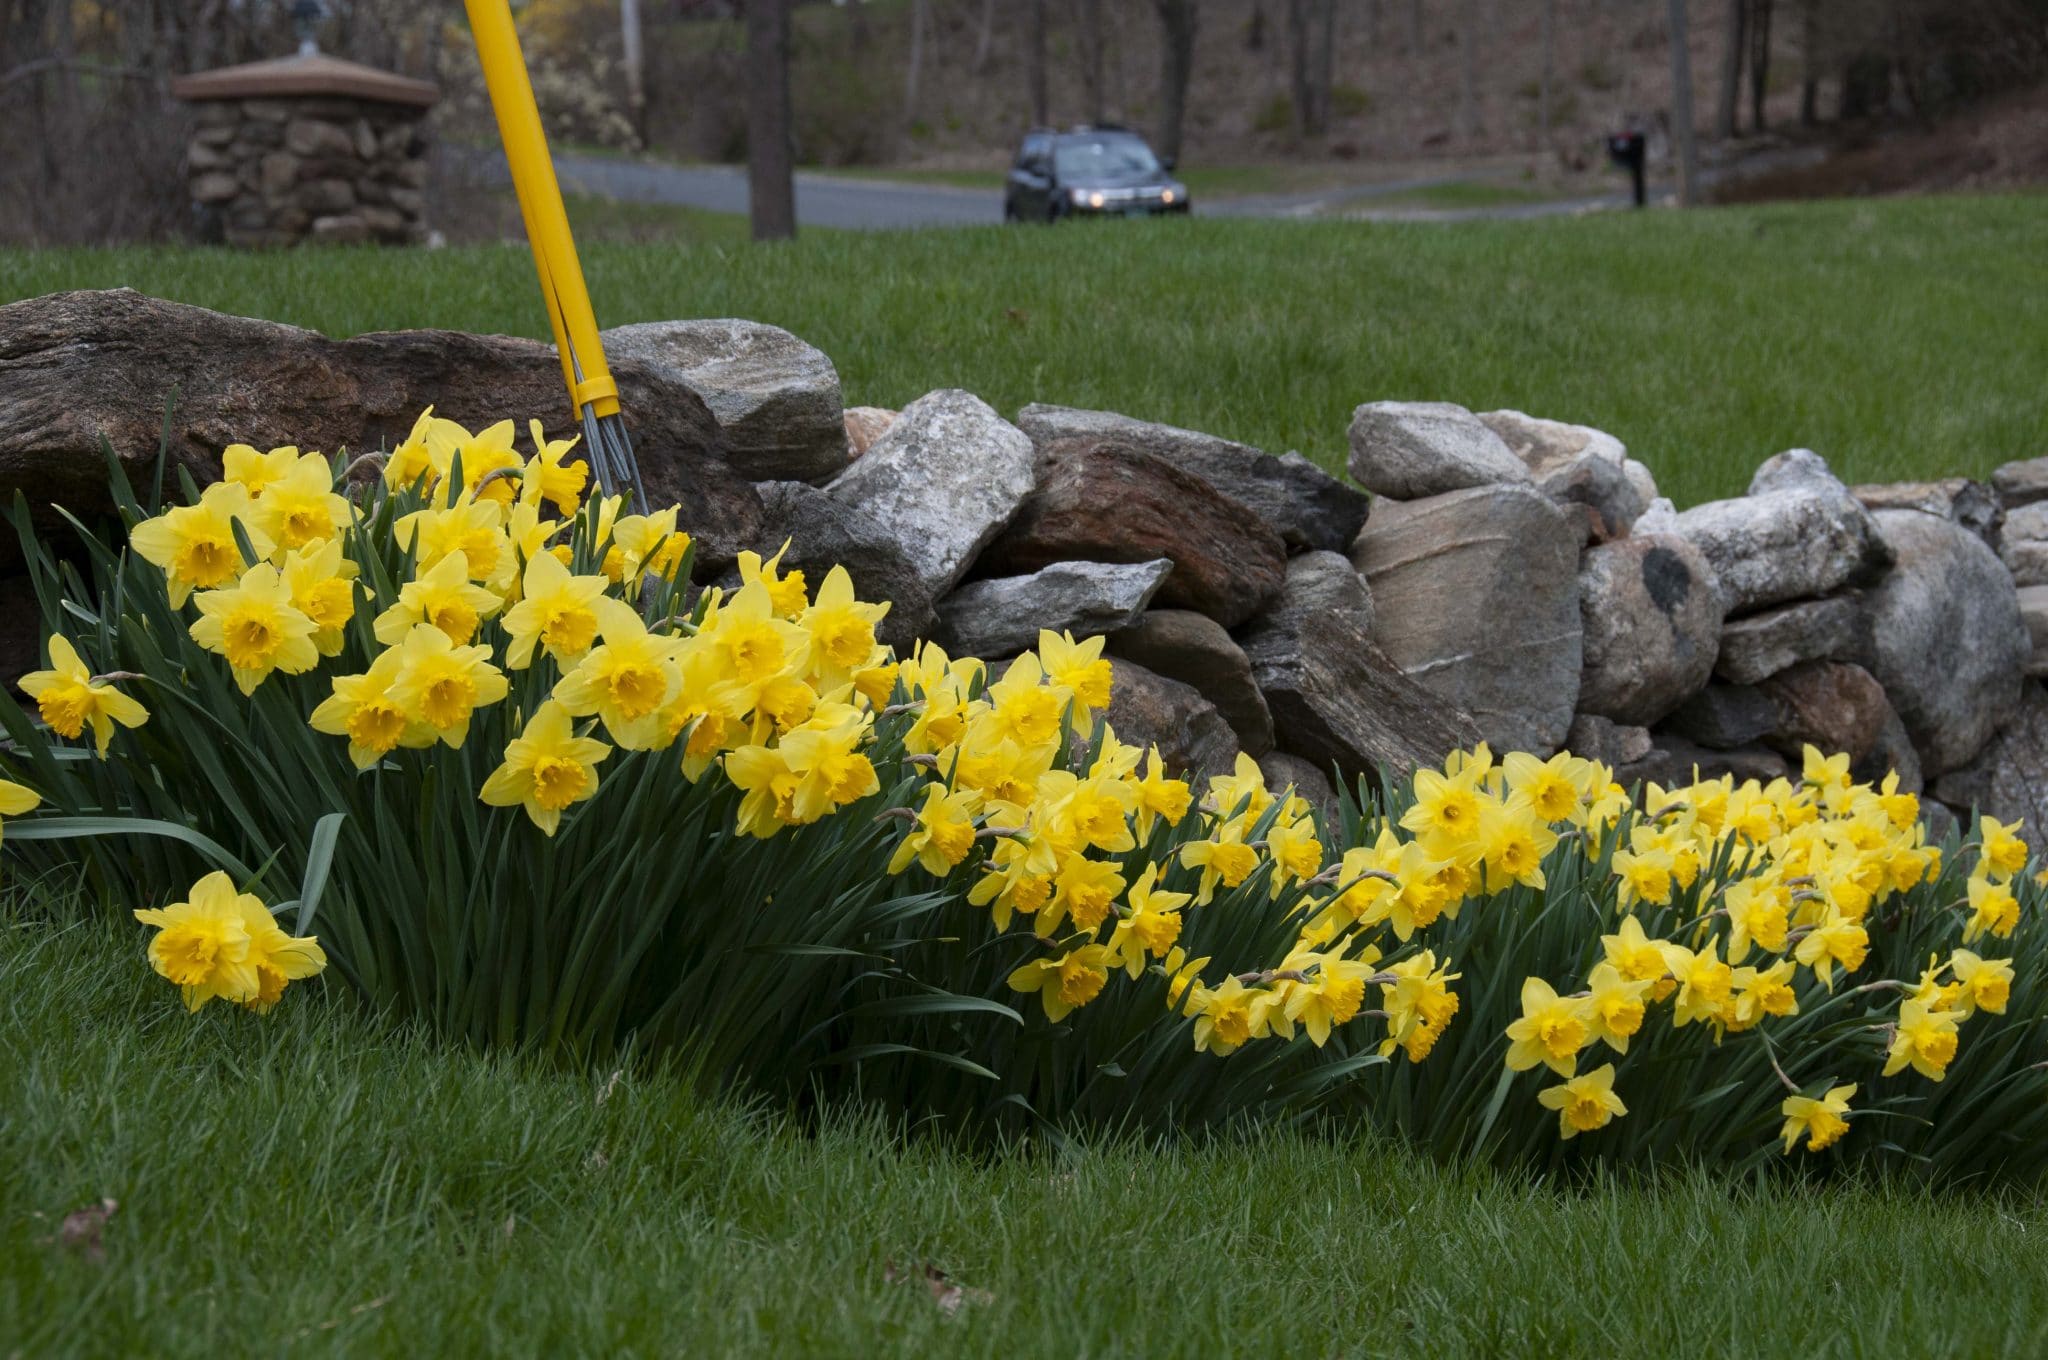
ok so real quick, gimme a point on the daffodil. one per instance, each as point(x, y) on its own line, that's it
point(323, 587)
point(1419, 1004)
point(1584, 1103)
point(842, 628)
point(556, 611)
point(301, 506)
point(626, 681)
point(2004, 851)
point(1923, 1038)
point(1994, 910)
point(70, 698)
point(1551, 1031)
point(442, 685)
point(942, 833)
point(1066, 983)
point(223, 943)
point(253, 470)
point(1821, 1122)
point(363, 709)
point(16, 799)
point(546, 769)
point(443, 595)
point(1077, 668)
point(1150, 926)
point(1614, 1006)
point(1835, 940)
point(194, 545)
point(550, 476)
point(1982, 984)
point(255, 625)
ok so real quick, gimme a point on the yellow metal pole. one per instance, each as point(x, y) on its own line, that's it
point(540, 203)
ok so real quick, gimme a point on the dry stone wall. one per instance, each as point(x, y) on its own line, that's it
point(1509, 578)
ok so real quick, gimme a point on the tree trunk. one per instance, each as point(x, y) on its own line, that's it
point(984, 42)
point(1809, 57)
point(1092, 60)
point(1311, 32)
point(1177, 23)
point(1726, 107)
point(1325, 70)
point(771, 183)
point(1041, 101)
point(1468, 70)
point(1759, 61)
point(1548, 80)
point(913, 70)
point(1682, 131)
point(1414, 27)
point(634, 64)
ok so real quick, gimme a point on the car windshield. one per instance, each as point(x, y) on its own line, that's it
point(1104, 158)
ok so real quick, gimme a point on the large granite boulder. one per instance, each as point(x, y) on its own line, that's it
point(2023, 543)
point(2008, 779)
point(1147, 709)
point(1410, 449)
point(1586, 471)
point(1840, 707)
point(1476, 597)
point(823, 532)
point(2021, 483)
point(2034, 613)
point(1195, 650)
point(76, 368)
point(1338, 700)
point(943, 481)
point(775, 398)
point(1650, 608)
point(1798, 533)
point(1306, 506)
point(1104, 501)
point(1945, 636)
point(1969, 503)
point(1757, 646)
point(1002, 615)
point(1319, 584)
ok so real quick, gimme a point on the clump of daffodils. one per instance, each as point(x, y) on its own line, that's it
point(480, 618)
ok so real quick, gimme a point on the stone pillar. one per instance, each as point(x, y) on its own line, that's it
point(307, 149)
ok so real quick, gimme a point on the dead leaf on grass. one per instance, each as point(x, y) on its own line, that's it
point(950, 1297)
point(81, 1231)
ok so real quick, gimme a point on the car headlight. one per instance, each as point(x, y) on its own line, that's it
point(1167, 196)
point(1095, 200)
point(1079, 197)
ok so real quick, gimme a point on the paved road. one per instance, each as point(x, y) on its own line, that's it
point(834, 201)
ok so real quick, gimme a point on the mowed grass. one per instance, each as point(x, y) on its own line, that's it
point(319, 1184)
point(1899, 338)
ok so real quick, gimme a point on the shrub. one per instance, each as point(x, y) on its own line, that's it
point(531, 788)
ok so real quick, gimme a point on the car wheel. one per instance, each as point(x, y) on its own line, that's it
point(1010, 213)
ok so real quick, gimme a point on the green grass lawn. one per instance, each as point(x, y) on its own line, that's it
point(318, 1184)
point(1899, 338)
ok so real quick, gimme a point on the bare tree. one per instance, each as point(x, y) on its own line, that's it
point(1178, 20)
point(1468, 69)
point(1414, 26)
point(1041, 102)
point(913, 70)
point(633, 61)
point(1731, 69)
point(1311, 32)
point(1759, 60)
point(1093, 82)
point(1682, 129)
point(771, 182)
point(984, 39)
point(1546, 84)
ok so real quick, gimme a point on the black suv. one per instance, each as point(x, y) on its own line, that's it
point(1088, 172)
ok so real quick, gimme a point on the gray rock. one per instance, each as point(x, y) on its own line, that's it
point(1946, 639)
point(1724, 717)
point(1971, 504)
point(1338, 700)
point(1798, 533)
point(823, 532)
point(2023, 545)
point(2021, 483)
point(1650, 608)
point(1147, 709)
point(1612, 744)
point(1674, 760)
point(1321, 583)
point(1410, 449)
point(1476, 597)
point(1307, 779)
point(1584, 470)
point(1194, 649)
point(1758, 646)
point(2034, 613)
point(775, 397)
point(1306, 506)
point(1003, 615)
point(1642, 479)
point(943, 481)
point(1660, 518)
point(2008, 779)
